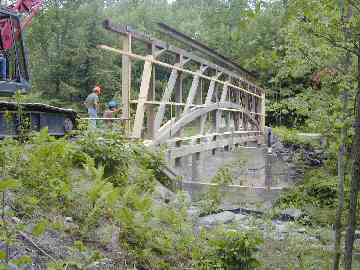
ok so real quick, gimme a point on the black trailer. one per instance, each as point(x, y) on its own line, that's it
point(33, 117)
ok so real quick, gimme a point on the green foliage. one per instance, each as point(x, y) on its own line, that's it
point(7, 184)
point(231, 250)
point(316, 196)
point(292, 137)
point(64, 179)
point(212, 198)
point(317, 189)
point(45, 169)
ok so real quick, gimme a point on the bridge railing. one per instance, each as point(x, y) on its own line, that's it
point(197, 93)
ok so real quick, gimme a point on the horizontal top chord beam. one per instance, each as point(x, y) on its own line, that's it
point(195, 44)
point(140, 57)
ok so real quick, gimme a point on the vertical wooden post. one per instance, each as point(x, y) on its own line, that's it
point(151, 96)
point(179, 92)
point(247, 109)
point(219, 113)
point(237, 114)
point(268, 170)
point(126, 82)
point(198, 101)
point(179, 88)
point(262, 111)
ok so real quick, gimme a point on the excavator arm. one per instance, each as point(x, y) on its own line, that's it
point(30, 7)
point(13, 66)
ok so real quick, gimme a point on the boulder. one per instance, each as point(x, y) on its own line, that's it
point(291, 213)
point(162, 194)
point(217, 219)
point(193, 212)
point(240, 218)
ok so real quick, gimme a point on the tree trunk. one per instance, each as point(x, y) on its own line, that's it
point(355, 179)
point(341, 175)
point(341, 158)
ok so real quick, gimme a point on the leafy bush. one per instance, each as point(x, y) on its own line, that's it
point(211, 200)
point(45, 170)
point(292, 137)
point(101, 180)
point(316, 195)
point(317, 189)
point(231, 250)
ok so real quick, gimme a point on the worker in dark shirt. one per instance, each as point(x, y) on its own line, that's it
point(110, 113)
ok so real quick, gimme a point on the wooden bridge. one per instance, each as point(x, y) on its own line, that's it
point(190, 101)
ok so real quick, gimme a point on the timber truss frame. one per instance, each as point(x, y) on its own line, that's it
point(219, 98)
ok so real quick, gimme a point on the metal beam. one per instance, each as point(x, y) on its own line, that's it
point(181, 37)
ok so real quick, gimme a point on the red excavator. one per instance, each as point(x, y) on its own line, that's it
point(14, 77)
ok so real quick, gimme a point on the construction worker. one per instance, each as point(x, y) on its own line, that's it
point(92, 105)
point(110, 113)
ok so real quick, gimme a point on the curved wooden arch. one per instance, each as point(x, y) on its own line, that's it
point(192, 115)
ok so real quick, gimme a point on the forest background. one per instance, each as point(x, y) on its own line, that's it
point(269, 38)
point(303, 53)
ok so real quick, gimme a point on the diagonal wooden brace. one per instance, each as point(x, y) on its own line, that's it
point(193, 89)
point(144, 89)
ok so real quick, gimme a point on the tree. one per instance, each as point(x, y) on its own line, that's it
point(346, 16)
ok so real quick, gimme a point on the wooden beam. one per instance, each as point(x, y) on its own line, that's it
point(144, 88)
point(195, 44)
point(246, 188)
point(191, 116)
point(222, 100)
point(209, 137)
point(263, 113)
point(140, 57)
point(208, 98)
point(190, 149)
point(126, 81)
point(165, 98)
point(179, 88)
point(193, 89)
point(150, 108)
point(241, 108)
point(157, 53)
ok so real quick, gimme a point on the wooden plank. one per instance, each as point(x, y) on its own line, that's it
point(179, 88)
point(193, 89)
point(190, 117)
point(166, 97)
point(262, 124)
point(222, 100)
point(195, 44)
point(241, 109)
point(211, 135)
point(237, 115)
point(150, 108)
point(144, 89)
point(255, 188)
point(140, 57)
point(191, 149)
point(208, 98)
point(126, 81)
